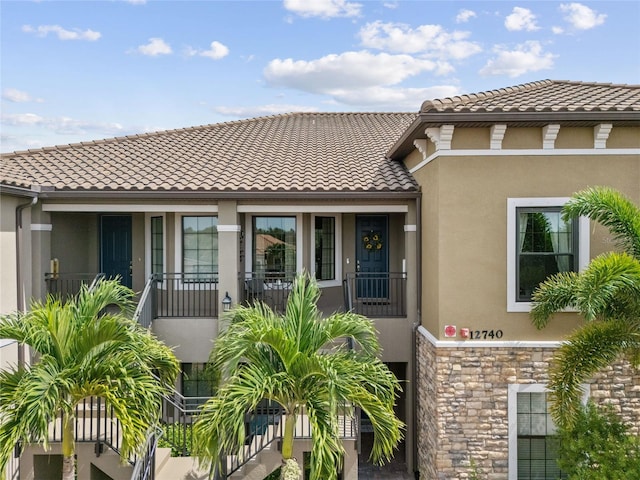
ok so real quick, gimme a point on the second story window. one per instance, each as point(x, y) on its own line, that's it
point(199, 245)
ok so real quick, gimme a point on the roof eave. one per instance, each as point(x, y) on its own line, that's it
point(273, 195)
point(416, 130)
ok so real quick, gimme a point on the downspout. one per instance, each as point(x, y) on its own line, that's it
point(21, 303)
point(414, 346)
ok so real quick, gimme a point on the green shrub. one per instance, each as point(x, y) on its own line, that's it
point(599, 447)
point(177, 437)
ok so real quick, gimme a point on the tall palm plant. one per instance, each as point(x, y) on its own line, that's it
point(606, 293)
point(83, 351)
point(300, 361)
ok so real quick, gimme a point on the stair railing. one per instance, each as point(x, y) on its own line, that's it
point(144, 468)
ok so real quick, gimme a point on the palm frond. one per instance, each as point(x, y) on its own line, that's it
point(588, 350)
point(554, 294)
point(607, 277)
point(613, 210)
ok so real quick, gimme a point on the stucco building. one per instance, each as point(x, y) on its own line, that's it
point(418, 220)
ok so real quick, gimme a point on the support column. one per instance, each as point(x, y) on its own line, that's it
point(229, 229)
point(412, 249)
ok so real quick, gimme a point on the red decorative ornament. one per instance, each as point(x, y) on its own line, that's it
point(450, 331)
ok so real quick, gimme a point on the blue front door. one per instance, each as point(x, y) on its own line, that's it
point(372, 256)
point(115, 247)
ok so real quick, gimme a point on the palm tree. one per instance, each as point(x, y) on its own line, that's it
point(83, 351)
point(302, 362)
point(606, 293)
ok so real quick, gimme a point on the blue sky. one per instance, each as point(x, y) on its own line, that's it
point(76, 71)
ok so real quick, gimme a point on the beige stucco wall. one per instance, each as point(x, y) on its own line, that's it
point(8, 286)
point(74, 242)
point(464, 229)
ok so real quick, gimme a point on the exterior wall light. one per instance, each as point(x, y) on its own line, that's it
point(226, 302)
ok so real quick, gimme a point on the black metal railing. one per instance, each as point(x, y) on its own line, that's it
point(67, 285)
point(178, 416)
point(270, 288)
point(186, 294)
point(381, 294)
point(145, 311)
point(95, 422)
point(145, 465)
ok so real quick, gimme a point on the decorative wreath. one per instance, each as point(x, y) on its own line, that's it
point(372, 241)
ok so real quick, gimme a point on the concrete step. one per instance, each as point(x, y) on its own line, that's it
point(180, 468)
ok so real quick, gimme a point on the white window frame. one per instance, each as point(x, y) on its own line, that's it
point(512, 409)
point(147, 241)
point(249, 236)
point(512, 235)
point(336, 282)
point(178, 239)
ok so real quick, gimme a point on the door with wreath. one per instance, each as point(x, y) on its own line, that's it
point(372, 257)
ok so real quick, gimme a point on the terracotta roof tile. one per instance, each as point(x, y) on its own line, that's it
point(543, 96)
point(300, 152)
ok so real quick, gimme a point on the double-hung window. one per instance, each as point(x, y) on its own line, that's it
point(540, 244)
point(533, 447)
point(199, 247)
point(546, 245)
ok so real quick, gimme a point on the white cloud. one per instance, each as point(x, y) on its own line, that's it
point(527, 57)
point(16, 119)
point(359, 79)
point(386, 98)
point(155, 47)
point(557, 30)
point(63, 34)
point(581, 17)
point(391, 5)
point(136, 2)
point(349, 70)
point(323, 8)
point(18, 96)
point(465, 15)
point(61, 125)
point(429, 40)
point(216, 51)
point(521, 19)
point(262, 110)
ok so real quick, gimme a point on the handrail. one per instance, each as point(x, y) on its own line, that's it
point(144, 468)
point(376, 294)
point(144, 314)
point(186, 294)
point(67, 285)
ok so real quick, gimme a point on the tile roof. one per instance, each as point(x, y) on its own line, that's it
point(543, 96)
point(298, 152)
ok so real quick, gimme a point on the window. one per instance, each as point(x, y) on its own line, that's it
point(540, 244)
point(532, 446)
point(199, 244)
point(194, 381)
point(546, 245)
point(157, 245)
point(537, 449)
point(325, 248)
point(274, 245)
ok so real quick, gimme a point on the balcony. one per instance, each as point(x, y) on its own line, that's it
point(271, 288)
point(375, 295)
point(197, 295)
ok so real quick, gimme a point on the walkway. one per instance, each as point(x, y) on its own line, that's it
point(395, 470)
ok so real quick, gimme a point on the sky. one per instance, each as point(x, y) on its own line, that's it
point(74, 71)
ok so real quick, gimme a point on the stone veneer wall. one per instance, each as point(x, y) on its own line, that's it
point(462, 404)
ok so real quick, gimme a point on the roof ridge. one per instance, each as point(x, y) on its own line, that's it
point(450, 103)
point(157, 133)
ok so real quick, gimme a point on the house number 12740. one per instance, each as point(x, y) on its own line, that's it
point(484, 334)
